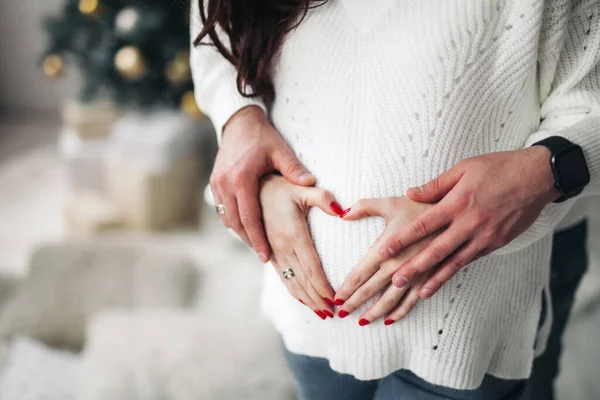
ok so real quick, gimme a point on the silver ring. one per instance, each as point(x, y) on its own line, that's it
point(220, 209)
point(288, 273)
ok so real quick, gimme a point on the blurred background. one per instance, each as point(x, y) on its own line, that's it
point(117, 281)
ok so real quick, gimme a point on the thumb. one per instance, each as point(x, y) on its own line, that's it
point(365, 208)
point(437, 188)
point(320, 198)
point(285, 161)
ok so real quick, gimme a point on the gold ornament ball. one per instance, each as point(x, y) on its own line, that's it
point(130, 63)
point(53, 66)
point(89, 7)
point(178, 70)
point(189, 106)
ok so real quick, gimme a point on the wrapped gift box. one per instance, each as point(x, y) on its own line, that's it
point(153, 168)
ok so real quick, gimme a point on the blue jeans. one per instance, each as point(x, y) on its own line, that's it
point(315, 380)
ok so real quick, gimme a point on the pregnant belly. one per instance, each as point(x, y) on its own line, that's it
point(341, 244)
point(350, 174)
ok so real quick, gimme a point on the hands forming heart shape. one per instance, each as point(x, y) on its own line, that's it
point(284, 209)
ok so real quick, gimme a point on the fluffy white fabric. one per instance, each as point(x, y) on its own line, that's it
point(70, 282)
point(36, 372)
point(157, 355)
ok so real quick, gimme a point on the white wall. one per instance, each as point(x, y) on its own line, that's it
point(22, 40)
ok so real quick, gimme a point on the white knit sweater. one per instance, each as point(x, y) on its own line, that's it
point(381, 95)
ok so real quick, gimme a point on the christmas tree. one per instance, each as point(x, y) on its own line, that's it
point(133, 52)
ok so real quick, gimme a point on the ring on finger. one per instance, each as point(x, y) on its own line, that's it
point(288, 273)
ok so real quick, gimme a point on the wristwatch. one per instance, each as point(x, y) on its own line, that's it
point(568, 164)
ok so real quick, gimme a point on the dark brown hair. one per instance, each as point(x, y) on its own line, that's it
point(255, 29)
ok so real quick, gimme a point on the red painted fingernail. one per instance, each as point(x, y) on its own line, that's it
point(344, 213)
point(336, 208)
point(329, 301)
point(388, 321)
point(301, 301)
point(320, 314)
point(363, 322)
point(338, 302)
point(328, 313)
point(343, 313)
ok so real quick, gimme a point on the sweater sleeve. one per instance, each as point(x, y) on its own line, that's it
point(214, 78)
point(569, 92)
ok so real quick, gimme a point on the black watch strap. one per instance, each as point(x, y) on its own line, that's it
point(568, 164)
point(555, 144)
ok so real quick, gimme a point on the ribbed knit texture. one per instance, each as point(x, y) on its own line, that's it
point(378, 96)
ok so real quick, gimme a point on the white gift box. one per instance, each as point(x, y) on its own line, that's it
point(83, 160)
point(153, 169)
point(90, 120)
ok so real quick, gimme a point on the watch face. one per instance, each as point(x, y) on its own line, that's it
point(571, 169)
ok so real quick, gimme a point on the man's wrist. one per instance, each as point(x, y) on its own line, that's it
point(546, 182)
point(251, 111)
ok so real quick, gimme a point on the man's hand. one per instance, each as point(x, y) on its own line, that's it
point(251, 147)
point(484, 202)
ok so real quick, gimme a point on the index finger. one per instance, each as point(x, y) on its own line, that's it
point(250, 216)
point(307, 255)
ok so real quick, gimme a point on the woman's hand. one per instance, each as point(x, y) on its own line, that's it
point(369, 277)
point(284, 210)
point(251, 147)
